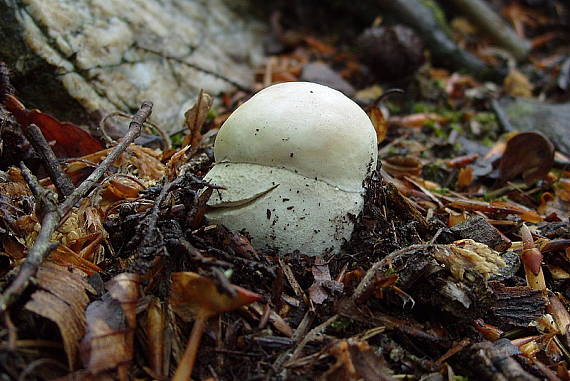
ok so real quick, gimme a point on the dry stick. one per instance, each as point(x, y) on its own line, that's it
point(134, 131)
point(41, 146)
point(301, 338)
point(53, 214)
point(186, 364)
point(41, 247)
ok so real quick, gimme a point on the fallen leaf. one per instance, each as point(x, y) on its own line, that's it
point(108, 342)
point(64, 256)
point(497, 208)
point(530, 154)
point(356, 360)
point(517, 84)
point(379, 122)
point(62, 300)
point(322, 281)
point(195, 118)
point(191, 294)
point(70, 140)
point(464, 178)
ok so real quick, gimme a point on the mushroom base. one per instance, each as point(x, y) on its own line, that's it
point(282, 210)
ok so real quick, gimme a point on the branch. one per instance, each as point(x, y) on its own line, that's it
point(42, 246)
point(53, 214)
point(49, 160)
point(134, 131)
point(493, 26)
point(424, 21)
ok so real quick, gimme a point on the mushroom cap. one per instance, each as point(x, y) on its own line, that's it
point(305, 128)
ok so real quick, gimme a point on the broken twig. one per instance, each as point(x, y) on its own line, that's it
point(49, 160)
point(134, 131)
point(41, 247)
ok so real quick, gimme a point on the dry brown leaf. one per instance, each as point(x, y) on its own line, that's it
point(64, 256)
point(125, 288)
point(156, 332)
point(356, 360)
point(403, 166)
point(195, 118)
point(495, 208)
point(517, 84)
point(175, 162)
point(529, 154)
point(379, 122)
point(105, 344)
point(142, 162)
point(108, 342)
point(191, 293)
point(465, 177)
point(62, 300)
point(323, 280)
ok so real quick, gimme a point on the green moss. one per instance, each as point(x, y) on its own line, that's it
point(341, 324)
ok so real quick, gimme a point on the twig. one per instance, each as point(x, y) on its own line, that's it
point(135, 128)
point(41, 247)
point(166, 144)
point(53, 214)
point(302, 336)
point(49, 160)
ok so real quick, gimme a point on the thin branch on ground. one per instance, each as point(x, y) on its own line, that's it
point(41, 248)
point(53, 214)
point(49, 160)
point(166, 144)
point(135, 129)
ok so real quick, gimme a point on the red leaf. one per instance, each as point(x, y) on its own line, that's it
point(70, 140)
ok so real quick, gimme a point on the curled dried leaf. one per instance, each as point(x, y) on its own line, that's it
point(529, 154)
point(192, 294)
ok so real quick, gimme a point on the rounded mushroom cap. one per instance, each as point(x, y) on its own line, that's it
point(303, 127)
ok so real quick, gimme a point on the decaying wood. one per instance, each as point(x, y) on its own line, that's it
point(517, 306)
point(479, 229)
point(492, 361)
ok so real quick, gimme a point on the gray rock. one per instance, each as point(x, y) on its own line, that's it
point(107, 55)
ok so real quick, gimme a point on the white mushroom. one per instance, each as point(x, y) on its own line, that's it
point(293, 160)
